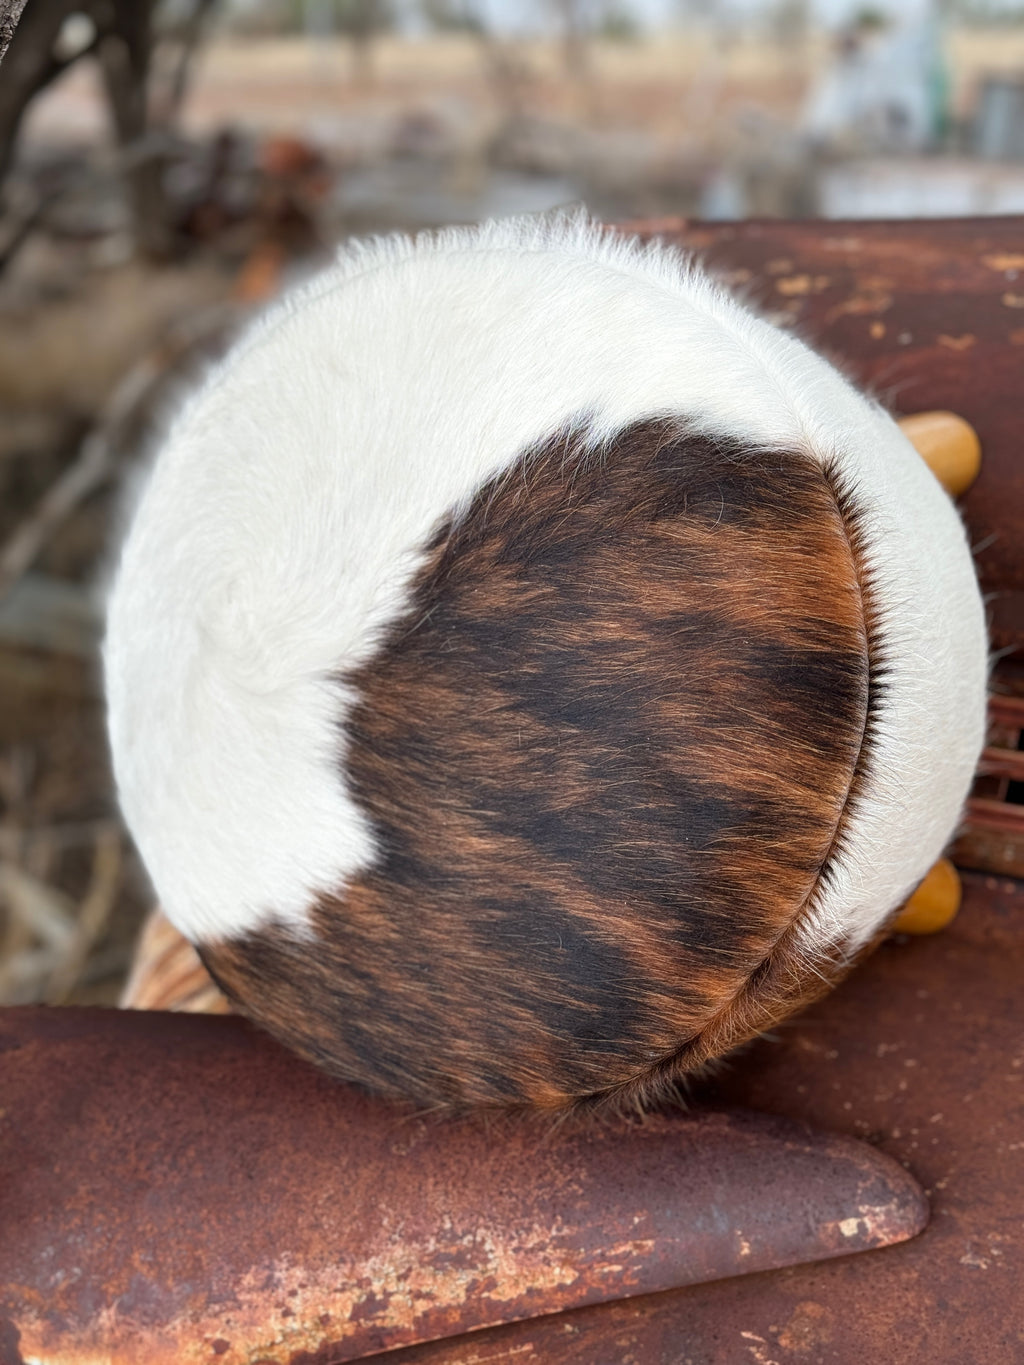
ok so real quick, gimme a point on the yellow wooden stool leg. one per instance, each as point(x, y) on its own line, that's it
point(950, 448)
point(948, 445)
point(934, 904)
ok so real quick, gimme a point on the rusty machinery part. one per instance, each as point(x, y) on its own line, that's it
point(186, 1190)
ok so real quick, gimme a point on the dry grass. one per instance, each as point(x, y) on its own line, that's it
point(82, 377)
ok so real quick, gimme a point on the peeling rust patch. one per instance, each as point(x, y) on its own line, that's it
point(808, 1329)
point(861, 304)
point(802, 284)
point(1004, 260)
point(735, 278)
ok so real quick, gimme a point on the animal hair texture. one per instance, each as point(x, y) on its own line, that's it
point(530, 672)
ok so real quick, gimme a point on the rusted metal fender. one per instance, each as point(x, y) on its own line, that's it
point(177, 1188)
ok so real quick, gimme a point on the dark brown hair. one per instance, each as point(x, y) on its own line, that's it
point(608, 755)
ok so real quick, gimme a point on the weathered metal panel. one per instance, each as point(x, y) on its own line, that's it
point(177, 1188)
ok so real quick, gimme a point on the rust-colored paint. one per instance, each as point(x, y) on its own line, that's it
point(178, 1189)
point(797, 285)
point(921, 1051)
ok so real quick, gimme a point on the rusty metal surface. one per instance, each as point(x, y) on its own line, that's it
point(993, 834)
point(928, 315)
point(921, 1051)
point(176, 1188)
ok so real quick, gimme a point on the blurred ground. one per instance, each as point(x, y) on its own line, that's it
point(285, 147)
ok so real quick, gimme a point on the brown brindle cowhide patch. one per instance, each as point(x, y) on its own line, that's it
point(607, 755)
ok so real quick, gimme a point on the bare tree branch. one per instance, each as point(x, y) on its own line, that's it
point(93, 466)
point(191, 33)
point(125, 54)
point(10, 13)
point(124, 40)
point(97, 457)
point(29, 67)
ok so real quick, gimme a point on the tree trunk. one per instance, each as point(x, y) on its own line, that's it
point(29, 64)
point(10, 13)
point(124, 54)
point(123, 44)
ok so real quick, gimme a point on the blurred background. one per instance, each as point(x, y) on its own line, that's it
point(167, 165)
